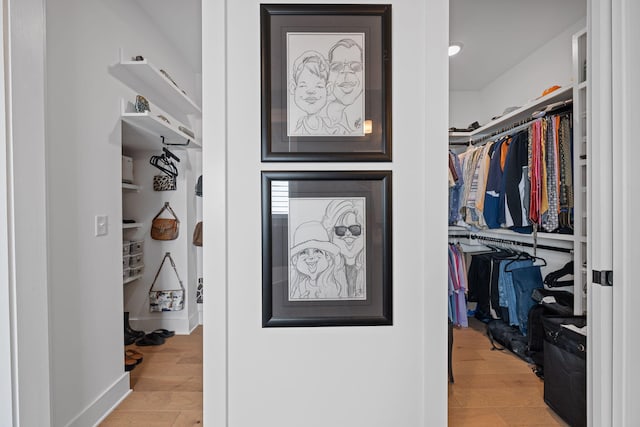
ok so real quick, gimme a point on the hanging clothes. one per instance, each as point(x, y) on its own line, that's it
point(494, 184)
point(456, 183)
point(515, 174)
point(457, 287)
point(517, 181)
point(550, 221)
point(566, 172)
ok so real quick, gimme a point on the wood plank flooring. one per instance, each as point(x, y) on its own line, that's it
point(167, 386)
point(493, 388)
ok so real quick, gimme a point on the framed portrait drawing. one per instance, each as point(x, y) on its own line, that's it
point(326, 248)
point(326, 82)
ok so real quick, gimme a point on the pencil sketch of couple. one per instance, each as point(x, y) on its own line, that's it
point(327, 256)
point(326, 90)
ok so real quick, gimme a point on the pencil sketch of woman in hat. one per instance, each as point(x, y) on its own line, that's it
point(313, 261)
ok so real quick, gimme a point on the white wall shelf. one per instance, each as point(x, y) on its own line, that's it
point(147, 79)
point(131, 279)
point(523, 113)
point(130, 187)
point(155, 126)
point(132, 225)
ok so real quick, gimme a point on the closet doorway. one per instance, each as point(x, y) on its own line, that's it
point(177, 54)
point(508, 80)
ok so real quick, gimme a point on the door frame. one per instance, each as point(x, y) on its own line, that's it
point(24, 201)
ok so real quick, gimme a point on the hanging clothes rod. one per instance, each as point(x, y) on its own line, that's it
point(505, 131)
point(511, 242)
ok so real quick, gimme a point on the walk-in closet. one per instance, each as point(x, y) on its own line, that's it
point(131, 73)
point(518, 201)
point(162, 193)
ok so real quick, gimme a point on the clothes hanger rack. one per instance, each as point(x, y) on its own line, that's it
point(517, 127)
point(501, 241)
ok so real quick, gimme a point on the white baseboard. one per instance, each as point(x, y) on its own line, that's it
point(194, 320)
point(100, 408)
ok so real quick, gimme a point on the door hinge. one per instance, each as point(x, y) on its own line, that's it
point(604, 277)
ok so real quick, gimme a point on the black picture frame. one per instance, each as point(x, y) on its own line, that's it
point(326, 248)
point(288, 29)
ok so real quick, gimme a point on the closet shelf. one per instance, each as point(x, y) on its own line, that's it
point(582, 85)
point(130, 187)
point(149, 122)
point(131, 279)
point(133, 225)
point(516, 116)
point(564, 240)
point(146, 79)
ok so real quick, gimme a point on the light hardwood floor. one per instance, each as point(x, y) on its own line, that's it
point(167, 386)
point(493, 388)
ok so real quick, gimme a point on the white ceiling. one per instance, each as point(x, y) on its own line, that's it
point(181, 22)
point(498, 34)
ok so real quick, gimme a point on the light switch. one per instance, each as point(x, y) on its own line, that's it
point(102, 225)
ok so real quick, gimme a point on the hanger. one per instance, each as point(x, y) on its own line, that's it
point(170, 155)
point(524, 256)
point(165, 164)
point(552, 279)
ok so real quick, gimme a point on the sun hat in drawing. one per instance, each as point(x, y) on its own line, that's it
point(312, 235)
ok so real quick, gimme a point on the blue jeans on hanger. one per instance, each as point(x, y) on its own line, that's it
point(506, 288)
point(525, 280)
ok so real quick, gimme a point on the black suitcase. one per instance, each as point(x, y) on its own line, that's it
point(562, 307)
point(565, 369)
point(508, 337)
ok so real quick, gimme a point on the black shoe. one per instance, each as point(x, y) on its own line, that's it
point(128, 330)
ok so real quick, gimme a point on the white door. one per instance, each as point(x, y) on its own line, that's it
point(599, 157)
point(613, 375)
point(625, 60)
point(6, 383)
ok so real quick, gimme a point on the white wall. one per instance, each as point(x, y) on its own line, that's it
point(464, 108)
point(143, 207)
point(351, 376)
point(547, 66)
point(83, 178)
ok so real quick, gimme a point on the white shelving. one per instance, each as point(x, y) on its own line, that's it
point(131, 279)
point(143, 134)
point(148, 80)
point(132, 225)
point(523, 113)
point(577, 242)
point(156, 127)
point(130, 187)
point(581, 173)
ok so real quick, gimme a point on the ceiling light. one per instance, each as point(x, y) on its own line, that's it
point(455, 48)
